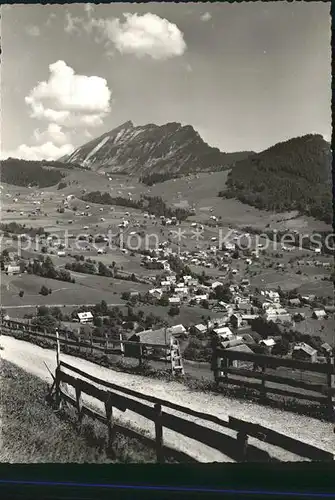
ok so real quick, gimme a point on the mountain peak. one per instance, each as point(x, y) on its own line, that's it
point(171, 148)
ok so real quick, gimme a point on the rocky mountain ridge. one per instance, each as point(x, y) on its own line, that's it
point(141, 150)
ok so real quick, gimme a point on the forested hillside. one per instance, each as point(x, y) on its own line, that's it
point(33, 173)
point(292, 175)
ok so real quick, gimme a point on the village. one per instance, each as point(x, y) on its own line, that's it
point(200, 280)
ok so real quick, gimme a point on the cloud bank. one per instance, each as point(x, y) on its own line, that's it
point(68, 99)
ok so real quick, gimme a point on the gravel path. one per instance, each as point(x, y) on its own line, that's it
point(31, 358)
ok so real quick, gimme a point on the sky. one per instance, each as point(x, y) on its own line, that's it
point(244, 75)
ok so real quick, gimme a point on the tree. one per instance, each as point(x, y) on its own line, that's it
point(44, 290)
point(174, 311)
point(281, 348)
point(164, 300)
point(97, 321)
point(21, 293)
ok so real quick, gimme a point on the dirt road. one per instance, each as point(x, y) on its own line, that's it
point(31, 358)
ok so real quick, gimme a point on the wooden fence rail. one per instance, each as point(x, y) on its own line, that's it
point(135, 350)
point(121, 398)
point(266, 382)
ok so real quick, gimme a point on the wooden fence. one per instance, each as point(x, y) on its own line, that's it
point(105, 345)
point(267, 381)
point(121, 398)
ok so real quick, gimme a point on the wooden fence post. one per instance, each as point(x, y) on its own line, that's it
point(121, 345)
point(66, 346)
point(91, 341)
point(57, 348)
point(263, 384)
point(159, 434)
point(330, 406)
point(79, 405)
point(242, 445)
point(58, 398)
point(106, 343)
point(140, 355)
point(110, 427)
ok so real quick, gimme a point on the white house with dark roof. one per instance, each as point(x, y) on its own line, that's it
point(85, 317)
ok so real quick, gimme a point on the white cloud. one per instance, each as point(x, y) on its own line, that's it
point(146, 35)
point(72, 23)
point(68, 99)
point(142, 35)
point(46, 151)
point(50, 18)
point(206, 17)
point(53, 133)
point(89, 8)
point(33, 30)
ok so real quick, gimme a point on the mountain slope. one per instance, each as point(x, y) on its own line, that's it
point(40, 174)
point(291, 175)
point(148, 149)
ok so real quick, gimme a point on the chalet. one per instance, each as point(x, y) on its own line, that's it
point(165, 285)
point(247, 338)
point(268, 344)
point(241, 347)
point(199, 298)
point(223, 333)
point(274, 296)
point(12, 269)
point(174, 300)
point(319, 314)
point(326, 348)
point(308, 298)
point(219, 322)
point(216, 284)
point(85, 317)
point(304, 352)
point(294, 302)
point(178, 330)
point(245, 307)
point(156, 293)
point(160, 336)
point(232, 342)
point(299, 316)
point(236, 320)
point(200, 328)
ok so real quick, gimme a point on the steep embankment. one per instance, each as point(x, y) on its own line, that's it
point(32, 358)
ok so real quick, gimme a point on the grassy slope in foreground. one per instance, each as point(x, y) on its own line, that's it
point(32, 432)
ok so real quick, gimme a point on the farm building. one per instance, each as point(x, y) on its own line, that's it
point(326, 348)
point(319, 314)
point(236, 320)
point(294, 302)
point(223, 332)
point(178, 330)
point(268, 344)
point(200, 328)
point(174, 300)
point(158, 337)
point(299, 316)
point(240, 347)
point(12, 269)
point(304, 352)
point(85, 317)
